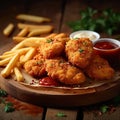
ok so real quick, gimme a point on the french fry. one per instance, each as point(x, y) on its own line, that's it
point(4, 62)
point(20, 51)
point(29, 42)
point(23, 51)
point(23, 32)
point(18, 46)
point(7, 70)
point(8, 52)
point(32, 18)
point(18, 39)
point(37, 32)
point(7, 56)
point(29, 55)
point(21, 59)
point(18, 74)
point(32, 27)
point(33, 41)
point(8, 30)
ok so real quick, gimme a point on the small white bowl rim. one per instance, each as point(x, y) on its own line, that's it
point(117, 42)
point(90, 31)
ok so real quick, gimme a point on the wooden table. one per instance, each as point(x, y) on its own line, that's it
point(61, 12)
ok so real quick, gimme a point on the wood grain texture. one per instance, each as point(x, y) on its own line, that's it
point(94, 114)
point(18, 115)
point(52, 9)
point(57, 114)
point(58, 97)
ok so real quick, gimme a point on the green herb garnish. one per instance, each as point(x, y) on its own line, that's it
point(107, 21)
point(75, 38)
point(8, 105)
point(104, 108)
point(81, 50)
point(49, 40)
point(3, 93)
point(85, 43)
point(38, 62)
point(60, 114)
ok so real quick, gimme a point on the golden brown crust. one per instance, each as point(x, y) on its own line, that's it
point(68, 71)
point(99, 69)
point(35, 68)
point(52, 47)
point(61, 70)
point(79, 52)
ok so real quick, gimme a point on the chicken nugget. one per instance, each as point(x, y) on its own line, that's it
point(51, 48)
point(79, 51)
point(35, 68)
point(38, 56)
point(59, 69)
point(99, 69)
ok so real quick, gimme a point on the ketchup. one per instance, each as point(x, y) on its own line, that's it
point(105, 45)
point(108, 50)
point(48, 81)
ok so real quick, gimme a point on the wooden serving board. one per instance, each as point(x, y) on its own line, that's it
point(60, 96)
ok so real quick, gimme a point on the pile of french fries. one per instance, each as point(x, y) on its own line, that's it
point(26, 40)
point(14, 59)
point(29, 30)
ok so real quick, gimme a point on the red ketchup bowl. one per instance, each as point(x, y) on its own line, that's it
point(108, 48)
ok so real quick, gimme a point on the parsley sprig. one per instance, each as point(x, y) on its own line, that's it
point(106, 21)
point(8, 105)
point(61, 114)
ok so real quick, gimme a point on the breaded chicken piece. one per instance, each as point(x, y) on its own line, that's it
point(35, 68)
point(99, 69)
point(62, 71)
point(52, 47)
point(79, 52)
point(38, 56)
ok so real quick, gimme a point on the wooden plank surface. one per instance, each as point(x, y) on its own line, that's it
point(8, 12)
point(64, 114)
point(23, 111)
point(71, 13)
point(94, 113)
point(52, 9)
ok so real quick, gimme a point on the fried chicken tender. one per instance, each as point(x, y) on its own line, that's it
point(99, 69)
point(39, 56)
point(52, 47)
point(62, 71)
point(79, 52)
point(35, 68)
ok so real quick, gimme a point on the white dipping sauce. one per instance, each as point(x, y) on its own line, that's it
point(85, 34)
